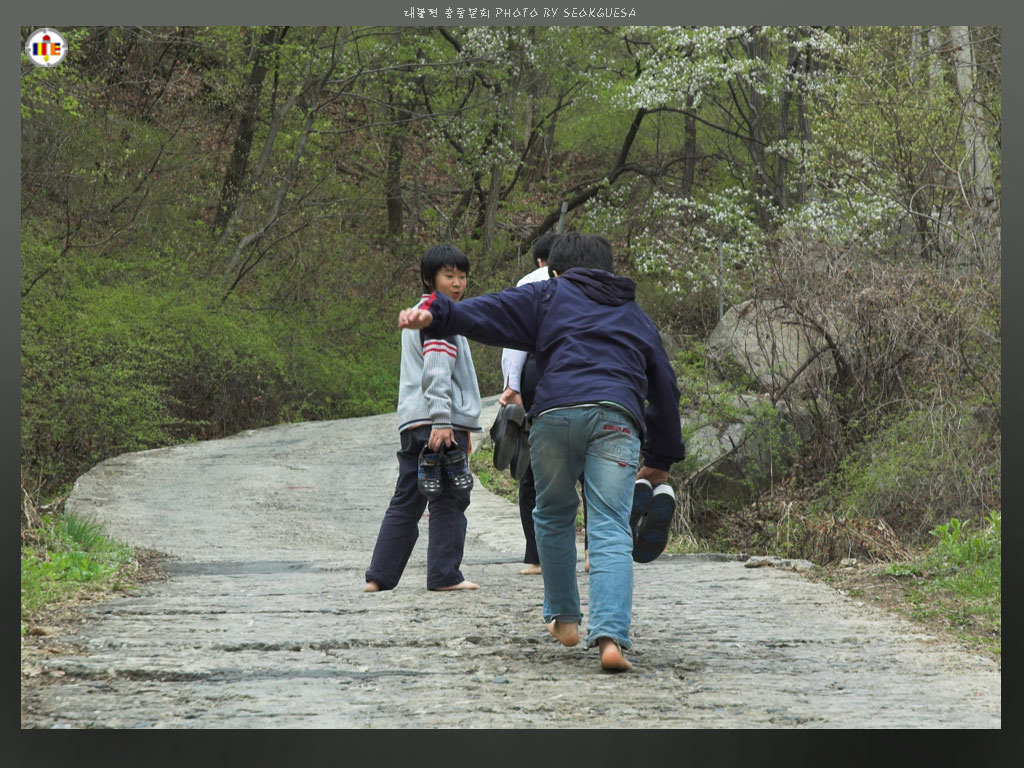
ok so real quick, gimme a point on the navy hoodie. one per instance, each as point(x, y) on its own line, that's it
point(592, 342)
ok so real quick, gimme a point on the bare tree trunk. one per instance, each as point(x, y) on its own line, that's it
point(418, 195)
point(805, 132)
point(268, 146)
point(781, 180)
point(531, 154)
point(804, 122)
point(916, 50)
point(689, 147)
point(978, 160)
point(549, 142)
point(415, 209)
point(461, 206)
point(926, 61)
point(785, 100)
point(758, 48)
point(491, 209)
point(393, 179)
point(934, 62)
point(313, 90)
point(248, 112)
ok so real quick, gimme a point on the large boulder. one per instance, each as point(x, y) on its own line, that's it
point(762, 344)
point(740, 447)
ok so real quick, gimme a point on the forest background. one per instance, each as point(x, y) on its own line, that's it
point(219, 225)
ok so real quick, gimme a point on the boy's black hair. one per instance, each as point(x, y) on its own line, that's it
point(542, 246)
point(439, 256)
point(574, 249)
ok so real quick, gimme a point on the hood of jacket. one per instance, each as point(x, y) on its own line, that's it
point(603, 287)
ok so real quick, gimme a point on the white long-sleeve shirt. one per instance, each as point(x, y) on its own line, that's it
point(512, 360)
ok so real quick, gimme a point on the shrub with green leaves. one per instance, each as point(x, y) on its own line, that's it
point(117, 368)
point(959, 579)
point(960, 546)
point(69, 554)
point(924, 467)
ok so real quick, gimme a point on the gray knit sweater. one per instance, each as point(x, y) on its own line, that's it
point(438, 384)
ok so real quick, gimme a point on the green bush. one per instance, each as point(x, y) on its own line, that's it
point(959, 579)
point(88, 389)
point(960, 547)
point(117, 368)
point(69, 554)
point(920, 470)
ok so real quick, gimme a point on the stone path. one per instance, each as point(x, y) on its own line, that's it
point(263, 622)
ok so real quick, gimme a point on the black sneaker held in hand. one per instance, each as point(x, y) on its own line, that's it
point(456, 467)
point(651, 518)
point(428, 476)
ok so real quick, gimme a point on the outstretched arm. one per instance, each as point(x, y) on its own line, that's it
point(414, 318)
point(508, 318)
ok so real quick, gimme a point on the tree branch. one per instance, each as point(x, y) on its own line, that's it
point(582, 197)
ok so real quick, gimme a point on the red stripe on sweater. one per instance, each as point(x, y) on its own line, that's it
point(439, 349)
point(440, 343)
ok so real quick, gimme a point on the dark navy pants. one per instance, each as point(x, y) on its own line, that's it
point(527, 503)
point(446, 531)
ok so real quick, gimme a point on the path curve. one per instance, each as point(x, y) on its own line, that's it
point(262, 622)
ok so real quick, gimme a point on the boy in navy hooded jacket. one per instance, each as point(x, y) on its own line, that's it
point(606, 395)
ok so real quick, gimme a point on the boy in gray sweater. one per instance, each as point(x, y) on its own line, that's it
point(438, 406)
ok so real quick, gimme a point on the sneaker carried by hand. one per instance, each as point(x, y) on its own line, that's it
point(651, 522)
point(643, 492)
point(456, 468)
point(428, 476)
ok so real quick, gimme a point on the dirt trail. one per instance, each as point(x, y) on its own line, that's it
point(262, 622)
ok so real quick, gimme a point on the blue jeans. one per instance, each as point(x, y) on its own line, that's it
point(603, 444)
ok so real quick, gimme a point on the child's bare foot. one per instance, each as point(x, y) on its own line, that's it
point(371, 586)
point(611, 656)
point(460, 585)
point(586, 561)
point(531, 570)
point(567, 634)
